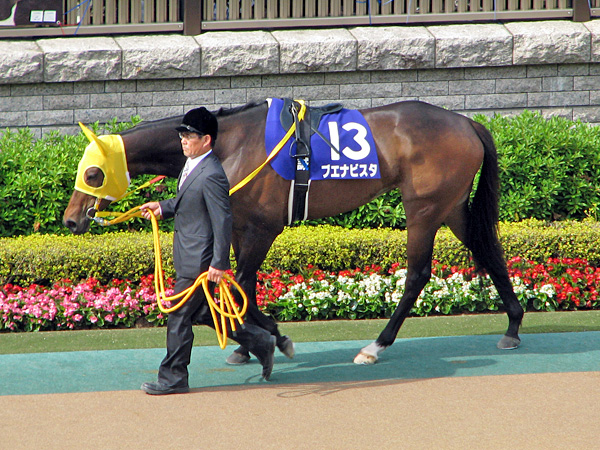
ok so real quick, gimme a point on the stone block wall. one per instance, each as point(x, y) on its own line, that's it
point(550, 66)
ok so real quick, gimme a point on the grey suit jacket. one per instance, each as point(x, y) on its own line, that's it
point(203, 220)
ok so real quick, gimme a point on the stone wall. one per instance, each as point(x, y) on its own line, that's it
point(550, 66)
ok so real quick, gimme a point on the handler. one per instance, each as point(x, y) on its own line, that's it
point(201, 242)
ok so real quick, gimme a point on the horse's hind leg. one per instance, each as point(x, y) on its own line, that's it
point(419, 249)
point(251, 248)
point(492, 260)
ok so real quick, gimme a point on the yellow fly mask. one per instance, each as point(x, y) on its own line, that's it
point(106, 153)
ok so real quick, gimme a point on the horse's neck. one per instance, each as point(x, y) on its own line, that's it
point(156, 154)
point(239, 134)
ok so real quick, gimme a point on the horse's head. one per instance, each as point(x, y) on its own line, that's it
point(102, 177)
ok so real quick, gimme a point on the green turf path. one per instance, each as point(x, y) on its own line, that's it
point(317, 366)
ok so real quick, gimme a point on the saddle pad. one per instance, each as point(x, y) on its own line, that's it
point(347, 130)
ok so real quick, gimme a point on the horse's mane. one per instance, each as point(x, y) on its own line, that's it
point(221, 112)
point(224, 112)
point(153, 124)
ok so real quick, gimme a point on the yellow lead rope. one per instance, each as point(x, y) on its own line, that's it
point(229, 309)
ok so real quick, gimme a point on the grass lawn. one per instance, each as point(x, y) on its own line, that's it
point(333, 330)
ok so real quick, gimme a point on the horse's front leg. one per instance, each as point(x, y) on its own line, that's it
point(420, 249)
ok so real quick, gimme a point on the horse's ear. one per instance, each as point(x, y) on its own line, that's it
point(92, 137)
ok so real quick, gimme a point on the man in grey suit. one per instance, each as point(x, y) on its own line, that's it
point(201, 243)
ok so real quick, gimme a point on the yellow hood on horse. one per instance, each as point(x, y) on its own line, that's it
point(107, 153)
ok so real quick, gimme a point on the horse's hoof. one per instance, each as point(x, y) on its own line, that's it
point(365, 359)
point(237, 359)
point(287, 347)
point(508, 343)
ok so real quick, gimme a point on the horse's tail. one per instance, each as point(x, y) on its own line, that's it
point(482, 229)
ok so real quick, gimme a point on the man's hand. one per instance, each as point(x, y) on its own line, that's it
point(151, 208)
point(215, 275)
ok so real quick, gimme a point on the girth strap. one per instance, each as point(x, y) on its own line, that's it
point(298, 201)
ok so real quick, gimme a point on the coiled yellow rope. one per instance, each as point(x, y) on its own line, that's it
point(227, 310)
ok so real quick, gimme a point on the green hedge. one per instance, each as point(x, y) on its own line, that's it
point(549, 170)
point(45, 259)
point(124, 255)
point(335, 248)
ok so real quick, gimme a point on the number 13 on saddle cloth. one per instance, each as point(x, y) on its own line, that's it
point(353, 156)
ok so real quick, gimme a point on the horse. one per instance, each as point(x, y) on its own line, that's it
point(431, 154)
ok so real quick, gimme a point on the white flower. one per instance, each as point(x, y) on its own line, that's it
point(548, 289)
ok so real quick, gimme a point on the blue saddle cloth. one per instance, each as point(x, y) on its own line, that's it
point(347, 130)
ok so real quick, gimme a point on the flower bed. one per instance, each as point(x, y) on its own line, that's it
point(565, 284)
point(67, 305)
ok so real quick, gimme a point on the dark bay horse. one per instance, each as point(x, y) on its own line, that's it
point(432, 155)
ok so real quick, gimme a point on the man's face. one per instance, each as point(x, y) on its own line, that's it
point(194, 144)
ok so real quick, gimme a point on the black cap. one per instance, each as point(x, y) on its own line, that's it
point(201, 121)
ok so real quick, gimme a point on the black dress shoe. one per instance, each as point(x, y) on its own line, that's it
point(163, 389)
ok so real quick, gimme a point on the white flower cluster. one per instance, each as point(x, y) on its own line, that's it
point(376, 295)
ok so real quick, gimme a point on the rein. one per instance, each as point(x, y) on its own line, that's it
point(98, 216)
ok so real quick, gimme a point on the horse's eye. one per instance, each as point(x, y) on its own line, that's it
point(94, 177)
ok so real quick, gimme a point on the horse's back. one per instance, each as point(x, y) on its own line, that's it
point(424, 149)
point(414, 130)
point(416, 117)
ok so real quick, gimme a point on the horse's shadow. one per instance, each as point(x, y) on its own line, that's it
point(325, 368)
point(411, 359)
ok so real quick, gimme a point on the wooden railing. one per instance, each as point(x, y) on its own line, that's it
point(103, 17)
point(223, 14)
point(123, 12)
point(194, 16)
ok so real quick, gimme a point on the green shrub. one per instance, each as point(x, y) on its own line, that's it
point(549, 170)
point(37, 178)
point(335, 248)
point(122, 255)
point(46, 259)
